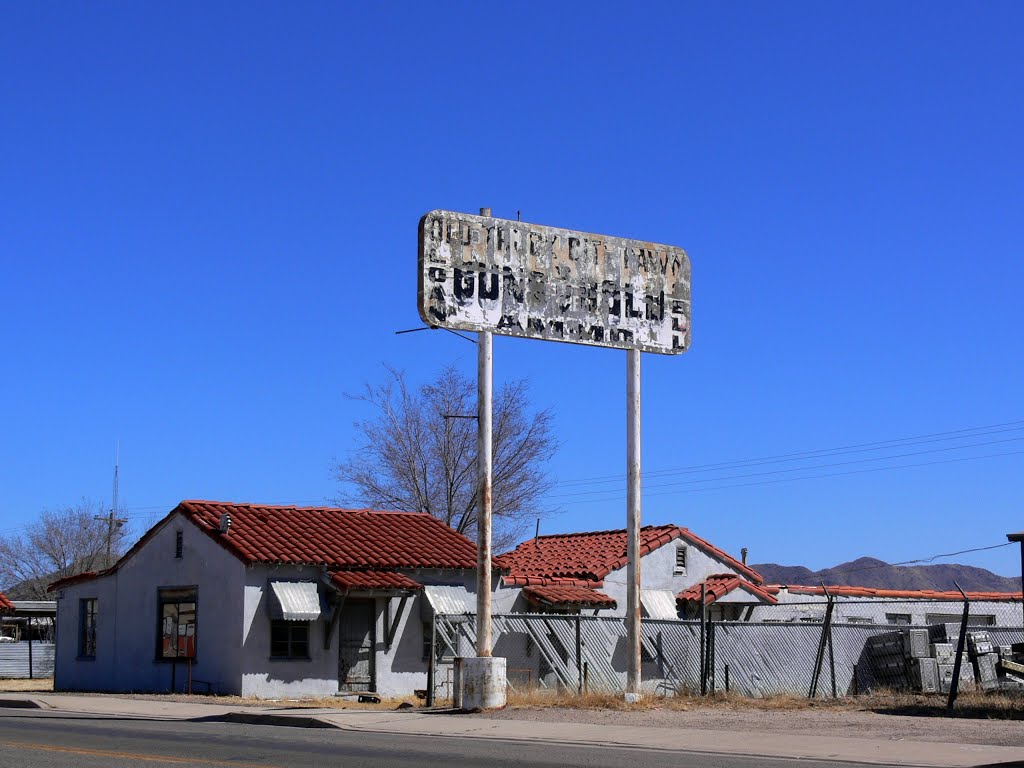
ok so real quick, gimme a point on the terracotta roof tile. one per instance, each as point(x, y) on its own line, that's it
point(918, 594)
point(339, 538)
point(346, 580)
point(6, 606)
point(719, 585)
point(564, 595)
point(361, 539)
point(590, 556)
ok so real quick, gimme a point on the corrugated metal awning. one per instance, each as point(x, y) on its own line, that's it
point(448, 599)
point(294, 600)
point(659, 603)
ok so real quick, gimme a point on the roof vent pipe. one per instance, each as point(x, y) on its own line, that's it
point(225, 523)
point(743, 555)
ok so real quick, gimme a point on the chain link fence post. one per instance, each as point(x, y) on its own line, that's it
point(954, 685)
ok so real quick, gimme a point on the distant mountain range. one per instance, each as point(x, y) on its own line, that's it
point(869, 572)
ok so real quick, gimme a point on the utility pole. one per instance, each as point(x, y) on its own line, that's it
point(484, 447)
point(112, 520)
point(633, 525)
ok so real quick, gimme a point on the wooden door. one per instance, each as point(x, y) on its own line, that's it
point(357, 640)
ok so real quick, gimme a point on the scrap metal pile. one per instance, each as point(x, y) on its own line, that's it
point(923, 659)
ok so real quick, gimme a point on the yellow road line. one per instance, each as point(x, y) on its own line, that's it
point(129, 755)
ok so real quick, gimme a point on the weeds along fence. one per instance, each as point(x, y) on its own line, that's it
point(849, 650)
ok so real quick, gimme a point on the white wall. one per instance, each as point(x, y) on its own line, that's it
point(657, 571)
point(399, 670)
point(127, 623)
point(265, 677)
point(796, 607)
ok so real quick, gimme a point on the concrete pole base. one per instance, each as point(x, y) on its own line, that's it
point(633, 698)
point(479, 683)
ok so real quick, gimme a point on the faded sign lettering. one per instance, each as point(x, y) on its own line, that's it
point(479, 273)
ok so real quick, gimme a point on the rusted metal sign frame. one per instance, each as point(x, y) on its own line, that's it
point(480, 273)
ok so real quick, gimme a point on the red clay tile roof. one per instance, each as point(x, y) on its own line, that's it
point(339, 538)
point(918, 594)
point(346, 580)
point(719, 585)
point(6, 606)
point(540, 581)
point(591, 556)
point(357, 539)
point(562, 595)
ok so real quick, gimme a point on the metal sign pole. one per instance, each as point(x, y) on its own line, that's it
point(633, 524)
point(483, 540)
point(484, 447)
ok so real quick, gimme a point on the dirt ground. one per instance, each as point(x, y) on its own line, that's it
point(896, 717)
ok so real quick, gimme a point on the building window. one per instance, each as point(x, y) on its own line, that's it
point(87, 628)
point(897, 618)
point(176, 633)
point(680, 560)
point(179, 541)
point(289, 639)
point(859, 620)
point(973, 620)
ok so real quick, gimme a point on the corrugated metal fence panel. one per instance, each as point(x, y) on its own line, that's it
point(14, 660)
point(764, 658)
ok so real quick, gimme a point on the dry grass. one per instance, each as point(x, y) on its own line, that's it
point(38, 685)
point(1002, 706)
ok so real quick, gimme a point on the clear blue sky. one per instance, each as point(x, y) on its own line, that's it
point(208, 235)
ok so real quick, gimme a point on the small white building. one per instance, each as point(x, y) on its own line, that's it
point(580, 571)
point(264, 601)
point(868, 605)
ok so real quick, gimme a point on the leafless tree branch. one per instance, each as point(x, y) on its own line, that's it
point(411, 458)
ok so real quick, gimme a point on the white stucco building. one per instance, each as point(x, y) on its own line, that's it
point(578, 571)
point(263, 601)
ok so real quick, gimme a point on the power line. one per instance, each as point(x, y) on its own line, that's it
point(619, 494)
point(800, 469)
point(922, 560)
point(956, 434)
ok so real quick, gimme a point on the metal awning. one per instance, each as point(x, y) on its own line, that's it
point(449, 599)
point(35, 608)
point(659, 603)
point(294, 600)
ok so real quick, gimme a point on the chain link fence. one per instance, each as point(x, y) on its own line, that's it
point(806, 649)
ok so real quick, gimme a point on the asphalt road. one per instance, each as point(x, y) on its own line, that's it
point(34, 739)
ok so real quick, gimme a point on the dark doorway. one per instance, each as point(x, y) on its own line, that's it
point(357, 637)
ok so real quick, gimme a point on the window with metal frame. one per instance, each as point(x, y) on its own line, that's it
point(898, 618)
point(87, 613)
point(289, 639)
point(176, 627)
point(179, 544)
point(973, 620)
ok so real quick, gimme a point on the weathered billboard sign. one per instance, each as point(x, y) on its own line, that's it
point(479, 273)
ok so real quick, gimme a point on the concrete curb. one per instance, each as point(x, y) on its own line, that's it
point(22, 704)
point(261, 718)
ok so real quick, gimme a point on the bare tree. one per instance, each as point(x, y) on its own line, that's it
point(413, 456)
point(60, 543)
